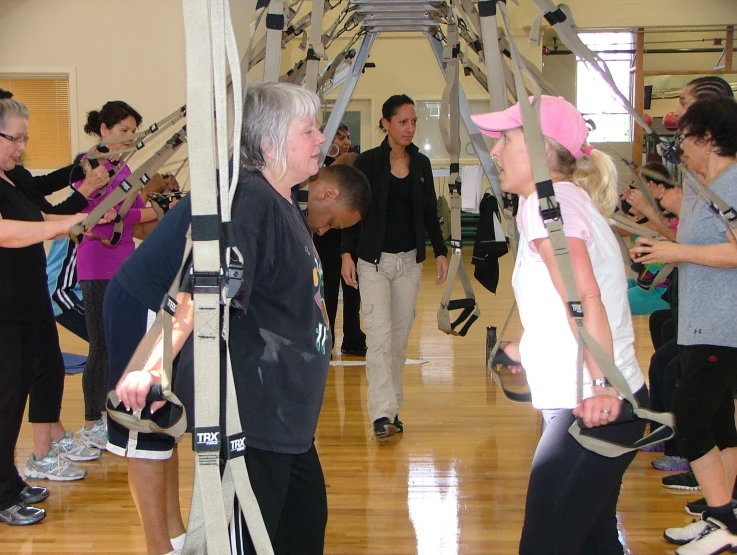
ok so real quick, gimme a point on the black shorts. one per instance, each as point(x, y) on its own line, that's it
point(126, 322)
point(703, 402)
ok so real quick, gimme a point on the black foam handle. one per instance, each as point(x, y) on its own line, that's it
point(156, 393)
point(627, 414)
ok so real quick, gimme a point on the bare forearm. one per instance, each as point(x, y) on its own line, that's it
point(723, 255)
point(17, 234)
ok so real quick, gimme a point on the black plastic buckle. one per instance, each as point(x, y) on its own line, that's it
point(125, 185)
point(234, 279)
point(236, 446)
point(206, 439)
point(206, 282)
point(275, 21)
point(558, 16)
point(550, 214)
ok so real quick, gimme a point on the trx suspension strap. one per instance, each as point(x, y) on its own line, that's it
point(161, 330)
point(212, 501)
point(207, 530)
point(625, 224)
point(316, 50)
point(274, 30)
point(450, 131)
point(127, 190)
point(551, 215)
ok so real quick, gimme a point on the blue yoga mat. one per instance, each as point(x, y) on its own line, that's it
point(74, 364)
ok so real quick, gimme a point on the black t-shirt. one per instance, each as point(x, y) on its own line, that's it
point(400, 230)
point(279, 336)
point(23, 292)
point(148, 273)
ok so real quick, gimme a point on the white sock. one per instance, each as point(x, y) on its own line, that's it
point(178, 542)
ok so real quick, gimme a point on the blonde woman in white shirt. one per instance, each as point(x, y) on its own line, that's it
point(572, 494)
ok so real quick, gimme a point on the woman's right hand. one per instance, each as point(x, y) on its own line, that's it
point(348, 271)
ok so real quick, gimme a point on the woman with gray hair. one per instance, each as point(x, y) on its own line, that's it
point(27, 328)
point(279, 336)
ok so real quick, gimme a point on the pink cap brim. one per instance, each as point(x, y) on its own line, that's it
point(493, 123)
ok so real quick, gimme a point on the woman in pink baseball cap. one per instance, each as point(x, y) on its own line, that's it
point(572, 494)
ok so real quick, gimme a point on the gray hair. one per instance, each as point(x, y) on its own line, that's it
point(267, 113)
point(10, 107)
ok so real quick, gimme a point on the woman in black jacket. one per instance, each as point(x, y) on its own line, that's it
point(390, 245)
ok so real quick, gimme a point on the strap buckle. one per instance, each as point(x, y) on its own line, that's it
point(206, 282)
point(169, 304)
point(234, 278)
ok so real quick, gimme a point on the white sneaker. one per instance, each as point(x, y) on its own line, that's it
point(715, 539)
point(685, 534)
point(54, 466)
point(96, 436)
point(74, 450)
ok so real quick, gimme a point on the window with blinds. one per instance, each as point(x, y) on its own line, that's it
point(47, 98)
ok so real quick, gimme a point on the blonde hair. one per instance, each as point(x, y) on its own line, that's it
point(595, 173)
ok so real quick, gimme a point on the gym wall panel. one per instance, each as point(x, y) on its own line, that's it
point(131, 51)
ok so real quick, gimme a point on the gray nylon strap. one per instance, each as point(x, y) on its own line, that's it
point(272, 63)
point(554, 226)
point(207, 531)
point(129, 188)
point(450, 131)
point(316, 50)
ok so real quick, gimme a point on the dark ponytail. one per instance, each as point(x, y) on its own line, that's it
point(112, 113)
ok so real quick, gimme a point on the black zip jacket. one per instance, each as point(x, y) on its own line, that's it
point(366, 238)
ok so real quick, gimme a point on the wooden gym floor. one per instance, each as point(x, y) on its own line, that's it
point(455, 483)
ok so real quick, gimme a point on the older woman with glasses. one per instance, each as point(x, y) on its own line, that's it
point(706, 253)
point(28, 332)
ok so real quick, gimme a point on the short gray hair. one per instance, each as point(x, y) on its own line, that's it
point(10, 107)
point(267, 113)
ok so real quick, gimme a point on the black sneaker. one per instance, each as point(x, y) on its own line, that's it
point(354, 351)
point(695, 508)
point(33, 494)
point(22, 515)
point(398, 424)
point(384, 428)
point(684, 481)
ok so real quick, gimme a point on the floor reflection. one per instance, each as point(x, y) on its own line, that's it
point(432, 496)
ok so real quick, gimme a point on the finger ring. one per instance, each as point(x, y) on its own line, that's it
point(605, 411)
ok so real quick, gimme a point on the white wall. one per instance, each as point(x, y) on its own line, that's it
point(131, 51)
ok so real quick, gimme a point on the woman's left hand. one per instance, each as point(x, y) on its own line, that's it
point(441, 264)
point(649, 251)
point(600, 409)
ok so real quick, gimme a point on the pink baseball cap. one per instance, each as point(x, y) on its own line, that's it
point(559, 120)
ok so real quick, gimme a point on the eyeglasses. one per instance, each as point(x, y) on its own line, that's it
point(680, 137)
point(15, 140)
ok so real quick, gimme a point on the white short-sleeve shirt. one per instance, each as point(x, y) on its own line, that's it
point(548, 347)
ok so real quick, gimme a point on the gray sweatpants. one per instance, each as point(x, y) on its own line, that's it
point(388, 302)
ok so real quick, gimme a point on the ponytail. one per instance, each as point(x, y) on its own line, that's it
point(595, 173)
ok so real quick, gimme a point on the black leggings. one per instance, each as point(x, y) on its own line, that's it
point(47, 387)
point(571, 506)
point(19, 342)
point(94, 379)
point(290, 490)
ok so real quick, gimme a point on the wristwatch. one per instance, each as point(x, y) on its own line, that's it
point(601, 382)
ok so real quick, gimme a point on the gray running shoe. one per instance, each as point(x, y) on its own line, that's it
point(74, 449)
point(54, 466)
point(22, 515)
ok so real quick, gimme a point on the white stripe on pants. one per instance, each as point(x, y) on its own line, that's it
point(388, 302)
